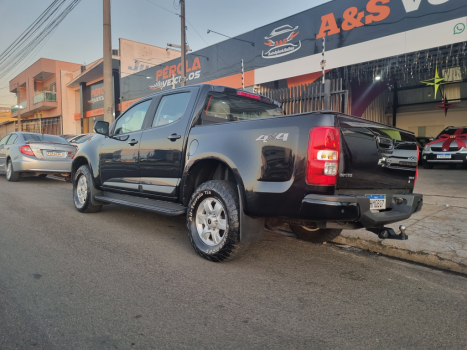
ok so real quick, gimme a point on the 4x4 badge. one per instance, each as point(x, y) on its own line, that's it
point(280, 136)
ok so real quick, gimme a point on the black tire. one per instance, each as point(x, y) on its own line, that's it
point(42, 175)
point(427, 165)
point(11, 175)
point(82, 199)
point(319, 235)
point(229, 247)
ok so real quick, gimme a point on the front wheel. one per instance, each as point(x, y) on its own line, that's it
point(11, 174)
point(213, 221)
point(82, 189)
point(315, 235)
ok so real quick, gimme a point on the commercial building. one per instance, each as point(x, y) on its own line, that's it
point(382, 50)
point(38, 89)
point(7, 123)
point(83, 89)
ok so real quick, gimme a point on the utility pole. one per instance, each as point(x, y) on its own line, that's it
point(108, 86)
point(182, 17)
point(20, 127)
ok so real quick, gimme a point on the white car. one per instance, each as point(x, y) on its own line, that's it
point(449, 147)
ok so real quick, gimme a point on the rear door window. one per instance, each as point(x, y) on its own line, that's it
point(12, 140)
point(4, 140)
point(171, 108)
point(223, 108)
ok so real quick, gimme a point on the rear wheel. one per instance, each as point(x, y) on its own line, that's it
point(315, 235)
point(427, 165)
point(213, 221)
point(82, 190)
point(11, 174)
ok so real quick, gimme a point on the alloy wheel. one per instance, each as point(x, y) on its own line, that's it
point(211, 221)
point(82, 189)
point(8, 170)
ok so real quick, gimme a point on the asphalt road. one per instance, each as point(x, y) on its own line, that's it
point(127, 279)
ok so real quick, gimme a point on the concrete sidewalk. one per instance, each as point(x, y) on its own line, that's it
point(437, 234)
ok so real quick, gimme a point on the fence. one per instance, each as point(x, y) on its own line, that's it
point(310, 97)
point(52, 126)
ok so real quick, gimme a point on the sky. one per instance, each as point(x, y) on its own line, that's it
point(79, 39)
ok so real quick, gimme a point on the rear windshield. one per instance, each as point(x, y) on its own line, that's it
point(44, 138)
point(223, 108)
point(451, 131)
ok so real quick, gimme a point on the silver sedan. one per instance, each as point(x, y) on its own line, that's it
point(39, 154)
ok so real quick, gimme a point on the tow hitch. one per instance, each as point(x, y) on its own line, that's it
point(389, 233)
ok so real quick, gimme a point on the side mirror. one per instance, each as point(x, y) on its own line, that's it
point(101, 127)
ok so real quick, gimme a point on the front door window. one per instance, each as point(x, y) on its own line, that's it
point(133, 119)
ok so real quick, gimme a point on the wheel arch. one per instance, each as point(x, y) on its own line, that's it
point(206, 169)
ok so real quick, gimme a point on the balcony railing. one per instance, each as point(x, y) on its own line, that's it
point(22, 105)
point(45, 96)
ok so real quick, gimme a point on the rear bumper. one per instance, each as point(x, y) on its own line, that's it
point(29, 164)
point(357, 209)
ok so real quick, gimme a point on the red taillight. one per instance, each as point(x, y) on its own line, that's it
point(416, 172)
point(323, 156)
point(27, 151)
point(246, 94)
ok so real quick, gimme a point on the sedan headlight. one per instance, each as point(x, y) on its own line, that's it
point(427, 148)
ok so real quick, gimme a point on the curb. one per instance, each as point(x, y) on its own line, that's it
point(405, 254)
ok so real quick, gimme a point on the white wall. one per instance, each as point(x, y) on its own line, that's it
point(434, 120)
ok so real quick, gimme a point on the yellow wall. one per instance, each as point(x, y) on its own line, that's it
point(434, 120)
point(5, 115)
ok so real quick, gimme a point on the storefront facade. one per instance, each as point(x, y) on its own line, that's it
point(382, 49)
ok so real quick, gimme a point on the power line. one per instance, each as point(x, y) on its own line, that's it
point(26, 47)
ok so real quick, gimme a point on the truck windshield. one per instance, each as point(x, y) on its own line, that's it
point(223, 108)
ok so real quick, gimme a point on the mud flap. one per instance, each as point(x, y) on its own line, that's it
point(251, 229)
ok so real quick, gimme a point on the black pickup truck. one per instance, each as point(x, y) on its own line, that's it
point(233, 163)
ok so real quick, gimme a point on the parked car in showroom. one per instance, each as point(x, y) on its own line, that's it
point(233, 163)
point(449, 147)
point(39, 154)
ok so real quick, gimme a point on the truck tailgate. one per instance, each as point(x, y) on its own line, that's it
point(376, 156)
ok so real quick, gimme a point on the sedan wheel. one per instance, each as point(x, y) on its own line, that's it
point(11, 174)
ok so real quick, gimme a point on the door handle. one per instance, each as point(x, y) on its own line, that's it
point(174, 137)
point(132, 142)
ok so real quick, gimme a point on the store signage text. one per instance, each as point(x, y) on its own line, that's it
point(174, 72)
point(376, 11)
point(97, 95)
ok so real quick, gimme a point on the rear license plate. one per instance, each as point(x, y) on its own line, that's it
point(54, 154)
point(444, 156)
point(377, 201)
point(408, 163)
